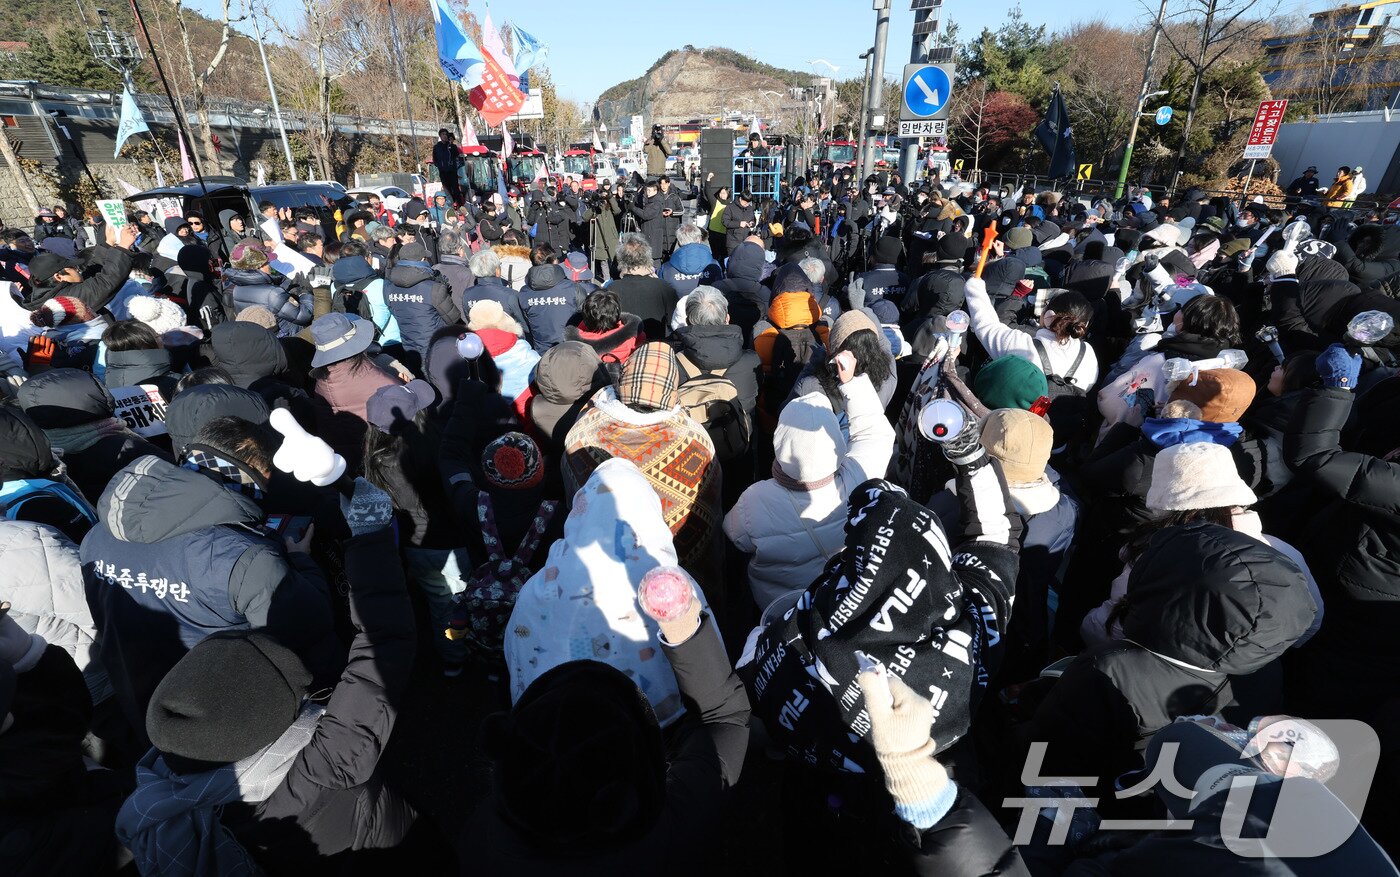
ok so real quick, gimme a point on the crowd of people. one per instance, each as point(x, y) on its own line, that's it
point(932, 531)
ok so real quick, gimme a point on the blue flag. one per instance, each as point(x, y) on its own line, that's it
point(527, 51)
point(132, 122)
point(461, 60)
point(1057, 138)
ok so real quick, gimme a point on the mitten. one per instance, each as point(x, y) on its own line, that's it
point(1282, 264)
point(975, 286)
point(965, 448)
point(899, 731)
point(1338, 368)
point(368, 510)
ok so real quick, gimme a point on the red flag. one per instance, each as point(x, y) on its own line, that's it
point(496, 98)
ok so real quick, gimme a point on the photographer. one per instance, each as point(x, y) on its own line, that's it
point(653, 212)
point(550, 217)
point(656, 154)
point(580, 212)
point(606, 209)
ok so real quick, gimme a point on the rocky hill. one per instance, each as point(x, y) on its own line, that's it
point(693, 83)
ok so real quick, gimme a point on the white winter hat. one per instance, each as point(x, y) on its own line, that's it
point(488, 314)
point(1167, 234)
point(1199, 475)
point(807, 444)
point(161, 314)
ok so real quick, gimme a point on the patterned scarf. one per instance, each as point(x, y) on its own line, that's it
point(229, 473)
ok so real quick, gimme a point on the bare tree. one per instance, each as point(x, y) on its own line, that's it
point(21, 179)
point(1339, 62)
point(334, 38)
point(200, 80)
point(969, 113)
point(1222, 28)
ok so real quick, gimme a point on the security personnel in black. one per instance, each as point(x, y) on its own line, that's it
point(550, 217)
point(883, 281)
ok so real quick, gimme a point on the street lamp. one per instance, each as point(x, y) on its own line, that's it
point(114, 48)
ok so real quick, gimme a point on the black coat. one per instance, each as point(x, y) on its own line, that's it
point(1371, 255)
point(257, 361)
point(551, 223)
point(650, 298)
point(334, 798)
point(720, 350)
point(966, 842)
point(1352, 545)
point(105, 270)
point(128, 368)
point(732, 215)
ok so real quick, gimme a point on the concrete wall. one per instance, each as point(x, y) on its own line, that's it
point(1347, 139)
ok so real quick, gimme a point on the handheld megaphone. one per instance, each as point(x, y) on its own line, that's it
point(942, 420)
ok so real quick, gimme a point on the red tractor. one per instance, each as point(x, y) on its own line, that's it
point(525, 166)
point(479, 168)
point(578, 165)
point(834, 154)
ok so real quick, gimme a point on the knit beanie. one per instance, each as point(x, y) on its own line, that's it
point(62, 310)
point(258, 316)
point(887, 250)
point(161, 314)
point(512, 462)
point(248, 255)
point(229, 696)
point(1010, 382)
point(847, 325)
point(414, 252)
point(488, 314)
point(1021, 442)
point(649, 377)
point(1222, 394)
point(952, 248)
point(1019, 238)
point(1199, 475)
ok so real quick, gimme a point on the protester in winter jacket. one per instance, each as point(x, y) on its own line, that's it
point(1204, 605)
point(614, 536)
point(567, 376)
point(247, 772)
point(1058, 345)
point(548, 301)
point(551, 218)
point(883, 282)
point(667, 805)
point(453, 252)
point(257, 361)
point(345, 378)
point(748, 299)
point(792, 522)
point(1371, 255)
point(486, 267)
point(248, 283)
point(515, 359)
point(639, 420)
point(419, 299)
point(856, 332)
point(79, 419)
point(93, 278)
point(55, 812)
point(603, 326)
point(649, 209)
point(179, 554)
point(939, 291)
point(692, 264)
point(360, 290)
point(739, 221)
point(135, 356)
point(515, 260)
point(639, 290)
point(34, 485)
point(709, 344)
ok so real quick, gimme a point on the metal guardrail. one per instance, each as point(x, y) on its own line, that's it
point(759, 174)
point(1092, 188)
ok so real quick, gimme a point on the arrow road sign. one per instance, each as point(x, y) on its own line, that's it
point(927, 88)
point(1164, 115)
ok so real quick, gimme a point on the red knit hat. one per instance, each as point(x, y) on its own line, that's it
point(62, 310)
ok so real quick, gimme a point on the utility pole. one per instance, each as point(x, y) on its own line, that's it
point(1142, 101)
point(276, 107)
point(858, 135)
point(875, 100)
point(921, 51)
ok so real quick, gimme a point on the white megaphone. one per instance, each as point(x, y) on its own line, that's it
point(304, 456)
point(1179, 369)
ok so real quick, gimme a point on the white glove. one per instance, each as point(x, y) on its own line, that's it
point(303, 455)
point(975, 286)
point(1160, 277)
point(1282, 264)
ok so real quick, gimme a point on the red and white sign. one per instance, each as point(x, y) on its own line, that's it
point(1265, 129)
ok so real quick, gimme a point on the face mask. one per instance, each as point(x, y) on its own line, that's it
point(1242, 223)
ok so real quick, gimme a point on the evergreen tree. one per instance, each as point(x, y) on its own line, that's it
point(1017, 58)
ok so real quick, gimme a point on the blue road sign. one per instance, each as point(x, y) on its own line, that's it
point(927, 88)
point(1164, 115)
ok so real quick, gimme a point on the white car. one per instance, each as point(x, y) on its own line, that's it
point(332, 183)
point(393, 197)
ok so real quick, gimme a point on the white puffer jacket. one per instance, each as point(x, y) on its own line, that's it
point(792, 533)
point(44, 586)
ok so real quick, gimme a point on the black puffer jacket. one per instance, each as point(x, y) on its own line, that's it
point(24, 454)
point(77, 415)
point(966, 842)
point(335, 798)
point(257, 361)
point(128, 368)
point(748, 298)
point(1352, 545)
point(105, 270)
point(936, 294)
point(1204, 604)
point(1306, 310)
point(1371, 255)
point(719, 350)
point(245, 289)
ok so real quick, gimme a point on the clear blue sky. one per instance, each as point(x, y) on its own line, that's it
point(595, 44)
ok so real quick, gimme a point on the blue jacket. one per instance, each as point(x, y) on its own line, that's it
point(497, 290)
point(690, 266)
point(175, 557)
point(245, 289)
point(414, 291)
point(353, 274)
point(549, 300)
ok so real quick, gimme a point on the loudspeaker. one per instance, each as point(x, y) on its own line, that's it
point(717, 157)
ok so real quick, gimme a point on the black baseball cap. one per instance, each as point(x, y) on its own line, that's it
point(45, 265)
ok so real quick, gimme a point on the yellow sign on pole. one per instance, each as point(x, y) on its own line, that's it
point(958, 165)
point(1086, 172)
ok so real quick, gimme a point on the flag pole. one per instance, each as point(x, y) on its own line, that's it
point(403, 82)
point(180, 127)
point(1059, 131)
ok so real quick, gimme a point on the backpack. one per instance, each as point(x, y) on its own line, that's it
point(353, 296)
point(481, 612)
point(1060, 385)
point(712, 401)
point(792, 350)
point(17, 496)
